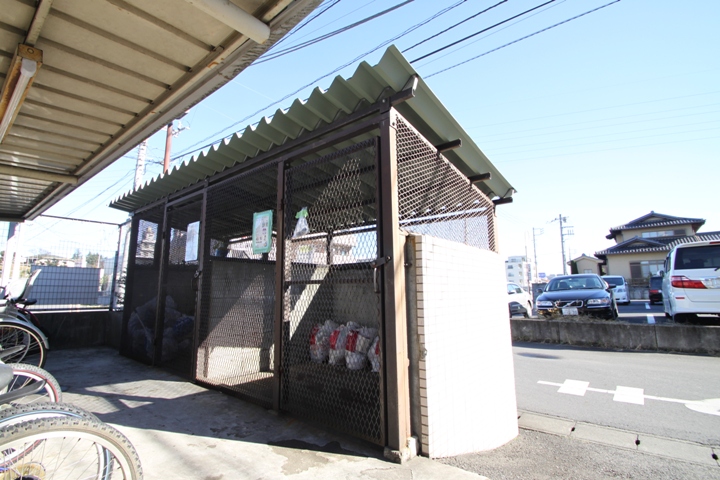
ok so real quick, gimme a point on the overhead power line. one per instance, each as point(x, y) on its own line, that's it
point(519, 39)
point(482, 31)
point(192, 148)
point(294, 48)
point(454, 26)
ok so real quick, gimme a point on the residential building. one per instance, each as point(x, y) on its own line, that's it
point(642, 244)
point(519, 270)
point(585, 264)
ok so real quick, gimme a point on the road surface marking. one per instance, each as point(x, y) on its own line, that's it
point(629, 395)
point(647, 306)
point(634, 395)
point(650, 318)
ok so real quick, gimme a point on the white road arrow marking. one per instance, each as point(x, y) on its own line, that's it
point(574, 387)
point(629, 395)
point(634, 395)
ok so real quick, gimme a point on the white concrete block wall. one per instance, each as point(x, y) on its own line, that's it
point(467, 381)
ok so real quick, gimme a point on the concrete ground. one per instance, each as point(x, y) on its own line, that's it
point(183, 431)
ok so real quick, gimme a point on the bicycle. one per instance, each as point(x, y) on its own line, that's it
point(52, 440)
point(19, 326)
point(24, 375)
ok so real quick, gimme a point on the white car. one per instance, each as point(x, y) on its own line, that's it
point(691, 281)
point(621, 293)
point(517, 295)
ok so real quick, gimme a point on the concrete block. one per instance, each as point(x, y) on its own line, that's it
point(667, 447)
point(608, 335)
point(545, 424)
point(689, 338)
point(605, 435)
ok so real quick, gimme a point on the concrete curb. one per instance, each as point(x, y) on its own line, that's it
point(696, 339)
point(696, 453)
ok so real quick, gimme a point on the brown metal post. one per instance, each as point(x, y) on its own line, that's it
point(279, 276)
point(162, 287)
point(395, 359)
point(129, 285)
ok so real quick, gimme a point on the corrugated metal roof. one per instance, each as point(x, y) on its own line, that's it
point(113, 72)
point(368, 85)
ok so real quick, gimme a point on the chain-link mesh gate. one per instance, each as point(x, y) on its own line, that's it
point(140, 300)
point(235, 344)
point(176, 320)
point(435, 198)
point(332, 308)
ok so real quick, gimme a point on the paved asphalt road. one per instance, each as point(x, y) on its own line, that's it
point(581, 385)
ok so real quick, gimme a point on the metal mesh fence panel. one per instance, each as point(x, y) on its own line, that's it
point(140, 302)
point(76, 259)
point(236, 344)
point(332, 312)
point(435, 198)
point(177, 322)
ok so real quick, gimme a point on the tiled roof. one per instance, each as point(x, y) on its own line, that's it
point(663, 221)
point(661, 244)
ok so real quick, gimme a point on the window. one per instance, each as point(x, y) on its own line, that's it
point(664, 233)
point(510, 267)
point(641, 271)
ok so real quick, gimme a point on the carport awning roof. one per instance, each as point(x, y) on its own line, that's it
point(112, 73)
point(368, 85)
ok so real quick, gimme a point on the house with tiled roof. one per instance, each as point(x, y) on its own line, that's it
point(642, 244)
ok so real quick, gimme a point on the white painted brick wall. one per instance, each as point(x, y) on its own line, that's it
point(467, 382)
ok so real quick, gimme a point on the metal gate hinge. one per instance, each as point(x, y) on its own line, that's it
point(380, 261)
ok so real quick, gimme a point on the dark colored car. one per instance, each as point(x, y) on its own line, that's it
point(581, 294)
point(655, 290)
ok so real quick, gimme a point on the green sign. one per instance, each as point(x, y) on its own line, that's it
point(262, 231)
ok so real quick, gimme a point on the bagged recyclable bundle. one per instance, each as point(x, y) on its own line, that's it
point(338, 340)
point(356, 347)
point(373, 355)
point(320, 341)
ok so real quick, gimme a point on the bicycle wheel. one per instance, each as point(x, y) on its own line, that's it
point(68, 448)
point(25, 375)
point(22, 413)
point(32, 349)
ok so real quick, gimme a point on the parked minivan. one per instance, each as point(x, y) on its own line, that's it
point(691, 281)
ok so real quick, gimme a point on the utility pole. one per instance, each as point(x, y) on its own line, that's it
point(140, 165)
point(171, 132)
point(563, 234)
point(540, 231)
point(168, 146)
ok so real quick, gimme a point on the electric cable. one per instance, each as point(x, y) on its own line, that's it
point(455, 25)
point(192, 148)
point(327, 35)
point(519, 39)
point(482, 31)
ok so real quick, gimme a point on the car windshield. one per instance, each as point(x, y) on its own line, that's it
point(574, 283)
point(655, 282)
point(614, 280)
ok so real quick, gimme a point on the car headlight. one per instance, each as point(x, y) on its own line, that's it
point(544, 303)
point(598, 301)
point(620, 290)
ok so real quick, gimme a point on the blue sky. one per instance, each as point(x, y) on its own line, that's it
point(601, 119)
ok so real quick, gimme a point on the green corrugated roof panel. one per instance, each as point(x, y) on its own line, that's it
point(366, 86)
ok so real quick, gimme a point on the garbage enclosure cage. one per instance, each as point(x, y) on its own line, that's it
point(282, 279)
